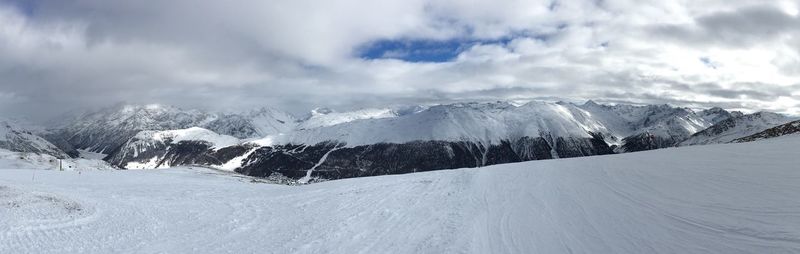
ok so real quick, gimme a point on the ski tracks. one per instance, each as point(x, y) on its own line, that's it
point(31, 216)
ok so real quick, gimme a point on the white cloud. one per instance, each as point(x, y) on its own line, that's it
point(300, 54)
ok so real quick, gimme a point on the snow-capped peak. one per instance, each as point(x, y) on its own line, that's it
point(329, 117)
point(591, 103)
point(189, 134)
point(480, 122)
point(106, 129)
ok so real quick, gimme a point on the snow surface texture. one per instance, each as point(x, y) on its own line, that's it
point(732, 198)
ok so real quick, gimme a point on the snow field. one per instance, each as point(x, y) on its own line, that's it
point(734, 198)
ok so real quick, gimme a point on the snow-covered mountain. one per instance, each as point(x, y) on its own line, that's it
point(253, 124)
point(475, 134)
point(105, 130)
point(35, 160)
point(717, 114)
point(329, 144)
point(161, 149)
point(439, 137)
point(323, 117)
point(15, 137)
point(486, 123)
point(790, 128)
point(445, 136)
point(736, 127)
point(653, 126)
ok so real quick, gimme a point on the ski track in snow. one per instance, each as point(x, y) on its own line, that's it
point(738, 198)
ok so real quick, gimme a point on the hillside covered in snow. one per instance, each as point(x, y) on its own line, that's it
point(733, 128)
point(28, 160)
point(16, 137)
point(327, 144)
point(787, 129)
point(732, 198)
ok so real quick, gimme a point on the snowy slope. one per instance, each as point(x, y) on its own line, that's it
point(734, 198)
point(411, 139)
point(322, 117)
point(736, 127)
point(253, 124)
point(653, 126)
point(486, 123)
point(787, 129)
point(190, 134)
point(664, 120)
point(155, 149)
point(490, 123)
point(14, 137)
point(716, 114)
point(105, 130)
point(21, 160)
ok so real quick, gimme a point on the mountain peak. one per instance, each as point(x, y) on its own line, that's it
point(591, 103)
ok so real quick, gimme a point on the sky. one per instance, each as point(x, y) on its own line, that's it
point(295, 55)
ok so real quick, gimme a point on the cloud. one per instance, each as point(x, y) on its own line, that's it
point(300, 54)
point(739, 28)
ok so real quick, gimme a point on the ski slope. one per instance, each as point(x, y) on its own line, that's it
point(18, 160)
point(733, 198)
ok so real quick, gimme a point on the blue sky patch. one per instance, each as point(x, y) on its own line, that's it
point(26, 7)
point(708, 63)
point(421, 50)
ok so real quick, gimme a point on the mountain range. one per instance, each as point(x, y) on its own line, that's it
point(325, 144)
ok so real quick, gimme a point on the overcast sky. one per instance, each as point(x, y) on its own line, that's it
point(59, 55)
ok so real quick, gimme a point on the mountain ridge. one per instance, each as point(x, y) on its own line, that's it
point(326, 144)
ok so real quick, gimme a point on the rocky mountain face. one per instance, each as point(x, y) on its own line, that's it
point(791, 128)
point(16, 138)
point(160, 149)
point(732, 128)
point(716, 114)
point(653, 126)
point(106, 130)
point(252, 124)
point(58, 140)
